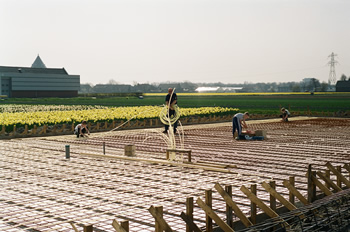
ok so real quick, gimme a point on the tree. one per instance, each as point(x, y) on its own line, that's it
point(112, 82)
point(343, 77)
point(296, 88)
point(324, 87)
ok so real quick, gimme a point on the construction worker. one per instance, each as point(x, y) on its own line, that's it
point(285, 114)
point(238, 121)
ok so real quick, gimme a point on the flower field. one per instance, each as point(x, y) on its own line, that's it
point(50, 115)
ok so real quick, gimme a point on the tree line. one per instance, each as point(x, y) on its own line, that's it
point(306, 85)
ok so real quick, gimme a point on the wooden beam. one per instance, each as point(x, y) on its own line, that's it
point(259, 202)
point(328, 181)
point(193, 165)
point(190, 223)
point(338, 174)
point(295, 192)
point(278, 196)
point(233, 205)
point(159, 218)
point(214, 216)
point(120, 228)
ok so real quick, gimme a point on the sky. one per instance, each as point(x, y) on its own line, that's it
point(153, 41)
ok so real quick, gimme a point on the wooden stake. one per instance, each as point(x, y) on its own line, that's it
point(88, 228)
point(229, 216)
point(311, 187)
point(161, 224)
point(214, 216)
point(208, 202)
point(328, 175)
point(159, 211)
point(189, 212)
point(272, 197)
point(321, 186)
point(253, 209)
point(295, 192)
point(291, 195)
point(338, 179)
point(233, 205)
point(347, 167)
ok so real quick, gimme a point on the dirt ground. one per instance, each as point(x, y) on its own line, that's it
point(41, 190)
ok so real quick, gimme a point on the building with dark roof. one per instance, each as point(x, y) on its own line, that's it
point(342, 86)
point(38, 81)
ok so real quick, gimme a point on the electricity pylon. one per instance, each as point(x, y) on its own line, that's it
point(332, 77)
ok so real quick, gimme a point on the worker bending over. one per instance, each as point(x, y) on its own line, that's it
point(238, 121)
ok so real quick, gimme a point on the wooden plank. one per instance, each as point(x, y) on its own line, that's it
point(258, 202)
point(189, 212)
point(295, 192)
point(159, 219)
point(190, 223)
point(291, 195)
point(338, 174)
point(321, 186)
point(118, 227)
point(214, 216)
point(253, 208)
point(278, 196)
point(159, 162)
point(328, 181)
point(208, 202)
point(233, 205)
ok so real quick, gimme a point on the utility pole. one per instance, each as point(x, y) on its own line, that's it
point(332, 77)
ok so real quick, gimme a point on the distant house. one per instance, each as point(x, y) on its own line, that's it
point(342, 86)
point(37, 81)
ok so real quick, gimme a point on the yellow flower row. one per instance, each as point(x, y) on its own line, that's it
point(95, 115)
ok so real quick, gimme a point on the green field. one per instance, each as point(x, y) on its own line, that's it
point(256, 104)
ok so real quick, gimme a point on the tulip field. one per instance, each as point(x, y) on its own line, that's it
point(21, 115)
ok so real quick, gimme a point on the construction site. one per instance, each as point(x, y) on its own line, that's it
point(296, 179)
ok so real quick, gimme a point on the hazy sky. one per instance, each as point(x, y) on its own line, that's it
point(151, 41)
